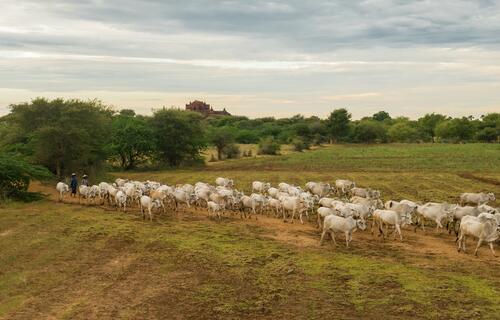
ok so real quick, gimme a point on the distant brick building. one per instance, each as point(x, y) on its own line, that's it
point(205, 109)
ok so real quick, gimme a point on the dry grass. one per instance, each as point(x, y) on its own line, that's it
point(66, 261)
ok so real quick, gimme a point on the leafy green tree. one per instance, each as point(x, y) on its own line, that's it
point(381, 116)
point(458, 129)
point(428, 123)
point(131, 139)
point(489, 128)
point(369, 131)
point(338, 124)
point(269, 146)
point(402, 132)
point(221, 137)
point(178, 136)
point(15, 176)
point(62, 135)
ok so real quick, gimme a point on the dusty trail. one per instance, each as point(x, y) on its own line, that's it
point(417, 246)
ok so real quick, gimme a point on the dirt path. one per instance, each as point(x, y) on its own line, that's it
point(417, 246)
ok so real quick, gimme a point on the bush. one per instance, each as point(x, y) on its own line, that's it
point(232, 151)
point(269, 146)
point(15, 177)
point(300, 144)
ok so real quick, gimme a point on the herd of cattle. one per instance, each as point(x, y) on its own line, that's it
point(342, 207)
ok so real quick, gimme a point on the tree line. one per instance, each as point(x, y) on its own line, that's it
point(75, 135)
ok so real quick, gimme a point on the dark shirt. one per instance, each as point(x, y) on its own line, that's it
point(74, 183)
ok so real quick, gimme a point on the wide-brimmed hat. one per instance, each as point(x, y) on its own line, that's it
point(85, 176)
point(73, 174)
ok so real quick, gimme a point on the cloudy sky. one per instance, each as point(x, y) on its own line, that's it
point(256, 58)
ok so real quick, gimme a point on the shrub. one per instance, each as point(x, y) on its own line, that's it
point(269, 146)
point(232, 151)
point(15, 177)
point(300, 144)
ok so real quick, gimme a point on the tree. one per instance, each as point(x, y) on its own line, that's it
point(178, 136)
point(489, 128)
point(131, 138)
point(221, 138)
point(369, 131)
point(15, 176)
point(458, 129)
point(428, 123)
point(338, 123)
point(381, 116)
point(269, 146)
point(62, 135)
point(402, 132)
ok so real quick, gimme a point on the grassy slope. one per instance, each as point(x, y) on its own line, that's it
point(73, 262)
point(67, 261)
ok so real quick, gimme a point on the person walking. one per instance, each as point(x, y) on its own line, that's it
point(73, 184)
point(85, 180)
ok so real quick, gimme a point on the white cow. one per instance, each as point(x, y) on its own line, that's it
point(375, 203)
point(405, 210)
point(322, 213)
point(436, 212)
point(248, 203)
point(293, 204)
point(483, 227)
point(459, 213)
point(283, 186)
point(161, 196)
point(214, 208)
point(344, 186)
point(476, 198)
point(120, 182)
point(320, 189)
point(121, 200)
point(260, 187)
point(273, 192)
point(180, 195)
point(83, 191)
point(224, 182)
point(275, 205)
point(149, 204)
point(487, 208)
point(387, 218)
point(260, 200)
point(347, 225)
point(360, 192)
point(62, 188)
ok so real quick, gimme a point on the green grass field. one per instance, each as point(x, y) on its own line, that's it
point(67, 261)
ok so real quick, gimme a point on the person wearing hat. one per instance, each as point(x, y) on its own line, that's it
point(85, 180)
point(73, 184)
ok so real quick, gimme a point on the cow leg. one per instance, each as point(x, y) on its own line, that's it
point(347, 239)
point(150, 214)
point(479, 242)
point(322, 237)
point(492, 249)
point(380, 229)
point(332, 234)
point(398, 228)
